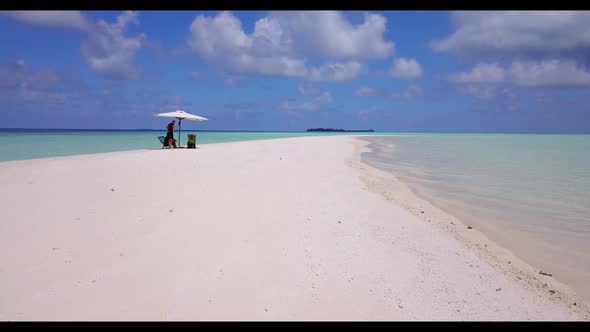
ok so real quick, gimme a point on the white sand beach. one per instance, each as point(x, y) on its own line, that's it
point(284, 229)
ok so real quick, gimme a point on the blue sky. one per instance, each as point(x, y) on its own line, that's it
point(255, 70)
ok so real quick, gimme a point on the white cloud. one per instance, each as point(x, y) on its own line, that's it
point(517, 31)
point(222, 40)
point(549, 73)
point(540, 47)
point(41, 86)
point(483, 72)
point(329, 35)
point(406, 68)
point(50, 18)
point(336, 71)
point(366, 92)
point(109, 52)
point(545, 73)
point(282, 42)
point(314, 105)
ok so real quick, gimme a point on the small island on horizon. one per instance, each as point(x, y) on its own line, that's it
point(340, 130)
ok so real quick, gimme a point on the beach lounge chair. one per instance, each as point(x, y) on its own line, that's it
point(162, 138)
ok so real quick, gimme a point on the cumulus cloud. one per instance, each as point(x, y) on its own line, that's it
point(106, 50)
point(406, 68)
point(564, 73)
point(329, 35)
point(282, 42)
point(221, 39)
point(50, 18)
point(109, 52)
point(545, 73)
point(509, 32)
point(483, 72)
point(539, 49)
point(336, 71)
point(19, 82)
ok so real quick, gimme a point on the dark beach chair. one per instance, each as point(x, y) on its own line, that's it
point(162, 140)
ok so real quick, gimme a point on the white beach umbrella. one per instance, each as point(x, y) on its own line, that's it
point(181, 115)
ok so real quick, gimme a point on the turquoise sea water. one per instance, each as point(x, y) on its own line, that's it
point(529, 193)
point(31, 144)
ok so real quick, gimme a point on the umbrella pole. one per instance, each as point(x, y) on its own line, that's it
point(179, 125)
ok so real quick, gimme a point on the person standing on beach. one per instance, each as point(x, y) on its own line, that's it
point(169, 140)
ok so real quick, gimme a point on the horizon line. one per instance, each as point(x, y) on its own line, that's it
point(301, 131)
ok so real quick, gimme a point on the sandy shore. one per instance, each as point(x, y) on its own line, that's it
point(286, 229)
